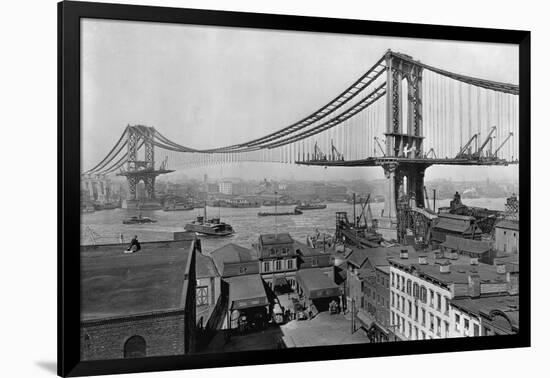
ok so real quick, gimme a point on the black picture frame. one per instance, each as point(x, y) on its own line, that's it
point(69, 16)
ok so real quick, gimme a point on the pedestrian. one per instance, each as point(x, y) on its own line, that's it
point(121, 238)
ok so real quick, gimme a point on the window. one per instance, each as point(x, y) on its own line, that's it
point(409, 287)
point(393, 299)
point(392, 318)
point(403, 305)
point(447, 301)
point(398, 301)
point(466, 326)
point(403, 284)
point(423, 317)
point(267, 266)
point(278, 265)
point(438, 302)
point(476, 330)
point(431, 298)
point(457, 322)
point(362, 302)
point(314, 262)
point(416, 290)
point(134, 347)
point(431, 322)
point(446, 329)
point(410, 309)
point(415, 332)
point(393, 279)
point(415, 313)
point(272, 252)
point(290, 264)
point(377, 298)
point(410, 330)
point(423, 294)
point(438, 322)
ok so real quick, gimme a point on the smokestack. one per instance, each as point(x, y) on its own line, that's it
point(474, 284)
point(404, 254)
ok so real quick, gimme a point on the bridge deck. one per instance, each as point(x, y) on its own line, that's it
point(377, 161)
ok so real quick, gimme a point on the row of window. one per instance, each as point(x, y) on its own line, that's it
point(420, 292)
point(276, 265)
point(284, 251)
point(412, 332)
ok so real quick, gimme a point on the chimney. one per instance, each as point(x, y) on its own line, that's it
point(404, 254)
point(438, 254)
point(501, 268)
point(422, 260)
point(445, 267)
point(474, 261)
point(474, 284)
point(512, 278)
point(453, 255)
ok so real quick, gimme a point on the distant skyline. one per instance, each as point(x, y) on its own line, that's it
point(209, 86)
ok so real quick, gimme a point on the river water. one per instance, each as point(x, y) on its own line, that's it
point(105, 226)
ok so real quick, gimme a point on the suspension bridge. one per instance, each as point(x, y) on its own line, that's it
point(402, 115)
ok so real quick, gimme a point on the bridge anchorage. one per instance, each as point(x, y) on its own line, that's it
point(141, 170)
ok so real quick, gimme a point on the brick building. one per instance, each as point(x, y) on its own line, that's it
point(129, 309)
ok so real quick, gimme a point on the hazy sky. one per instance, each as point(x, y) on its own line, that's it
point(210, 86)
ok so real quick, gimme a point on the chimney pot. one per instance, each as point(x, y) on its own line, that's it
point(445, 268)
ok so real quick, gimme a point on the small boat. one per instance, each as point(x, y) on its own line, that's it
point(311, 206)
point(178, 207)
point(209, 227)
point(270, 214)
point(138, 220)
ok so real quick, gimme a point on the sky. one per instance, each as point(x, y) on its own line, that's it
point(210, 86)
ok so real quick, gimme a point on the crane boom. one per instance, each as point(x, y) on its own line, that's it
point(493, 129)
point(502, 144)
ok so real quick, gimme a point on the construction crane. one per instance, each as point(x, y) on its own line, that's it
point(487, 140)
point(502, 145)
point(335, 154)
point(466, 147)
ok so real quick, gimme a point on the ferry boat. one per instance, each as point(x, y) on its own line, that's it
point(269, 214)
point(138, 220)
point(311, 206)
point(209, 227)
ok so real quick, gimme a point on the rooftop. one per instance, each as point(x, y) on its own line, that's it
point(232, 253)
point(506, 304)
point(117, 284)
point(508, 224)
point(281, 238)
point(467, 245)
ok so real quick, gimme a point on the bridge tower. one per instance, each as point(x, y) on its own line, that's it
point(403, 165)
point(141, 170)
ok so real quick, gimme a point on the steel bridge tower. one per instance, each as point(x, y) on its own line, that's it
point(142, 170)
point(404, 136)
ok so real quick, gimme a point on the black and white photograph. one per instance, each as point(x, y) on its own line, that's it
point(254, 190)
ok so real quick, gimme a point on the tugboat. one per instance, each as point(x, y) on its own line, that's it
point(212, 227)
point(269, 214)
point(311, 206)
point(138, 220)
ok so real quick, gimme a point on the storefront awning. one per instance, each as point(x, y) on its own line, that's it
point(316, 284)
point(246, 291)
